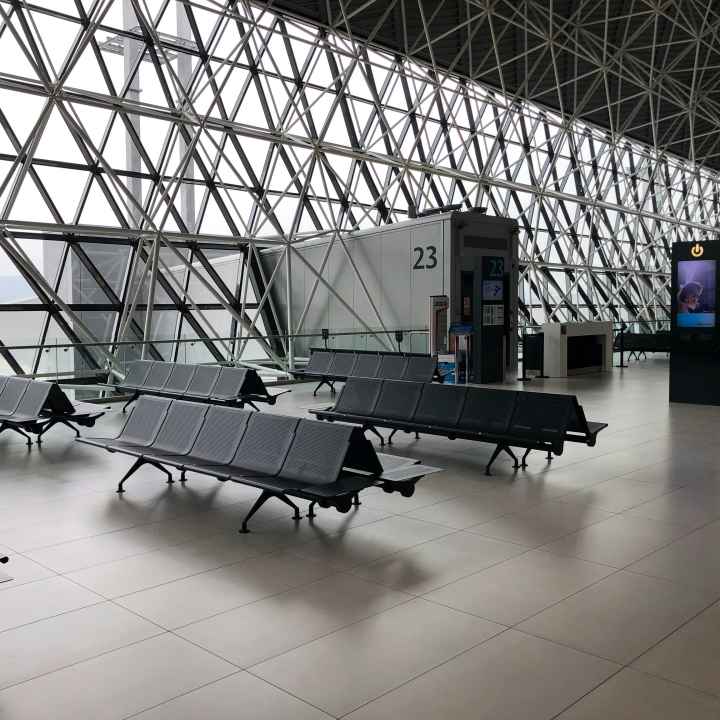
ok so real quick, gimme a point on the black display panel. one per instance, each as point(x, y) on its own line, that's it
point(695, 336)
point(696, 293)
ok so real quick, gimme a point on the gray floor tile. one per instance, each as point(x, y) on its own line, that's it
point(140, 572)
point(616, 495)
point(22, 570)
point(185, 601)
point(362, 545)
point(59, 641)
point(340, 672)
point(438, 562)
point(617, 541)
point(693, 559)
point(619, 617)
point(465, 510)
point(60, 510)
point(542, 523)
point(518, 588)
point(116, 684)
point(261, 630)
point(631, 695)
point(41, 599)
point(691, 655)
point(685, 506)
point(238, 696)
point(510, 677)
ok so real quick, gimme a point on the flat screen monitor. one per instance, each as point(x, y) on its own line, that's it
point(695, 300)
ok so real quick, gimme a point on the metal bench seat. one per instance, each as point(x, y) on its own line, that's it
point(35, 406)
point(506, 418)
point(330, 366)
point(212, 384)
point(279, 455)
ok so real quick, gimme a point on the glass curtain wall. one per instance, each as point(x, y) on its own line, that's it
point(152, 151)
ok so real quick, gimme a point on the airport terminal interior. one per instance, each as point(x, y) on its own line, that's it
point(359, 360)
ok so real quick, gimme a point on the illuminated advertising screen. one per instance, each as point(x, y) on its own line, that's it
point(695, 300)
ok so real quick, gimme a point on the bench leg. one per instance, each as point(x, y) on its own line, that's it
point(311, 510)
point(265, 495)
point(356, 500)
point(5, 426)
point(375, 432)
point(252, 405)
point(134, 397)
point(390, 436)
point(523, 463)
point(549, 456)
point(417, 435)
point(324, 381)
point(493, 457)
point(57, 421)
point(137, 465)
point(183, 476)
point(507, 450)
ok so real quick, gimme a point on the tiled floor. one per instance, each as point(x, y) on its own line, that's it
point(583, 589)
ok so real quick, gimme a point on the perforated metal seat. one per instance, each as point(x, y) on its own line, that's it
point(31, 404)
point(342, 364)
point(487, 411)
point(543, 416)
point(398, 400)
point(229, 384)
point(317, 453)
point(179, 380)
point(420, 368)
point(366, 365)
point(179, 430)
point(440, 406)
point(203, 381)
point(12, 393)
point(158, 376)
point(137, 373)
point(319, 362)
point(142, 426)
point(392, 367)
point(359, 396)
point(264, 445)
point(217, 441)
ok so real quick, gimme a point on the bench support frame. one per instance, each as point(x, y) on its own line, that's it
point(266, 495)
point(139, 462)
point(9, 426)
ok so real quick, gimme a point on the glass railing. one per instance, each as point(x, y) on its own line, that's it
point(269, 354)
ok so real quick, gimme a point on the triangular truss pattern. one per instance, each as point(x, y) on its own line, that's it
point(150, 150)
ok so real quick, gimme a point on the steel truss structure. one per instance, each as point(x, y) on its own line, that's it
point(150, 150)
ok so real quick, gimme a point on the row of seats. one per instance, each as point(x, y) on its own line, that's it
point(534, 421)
point(35, 406)
point(209, 383)
point(279, 455)
point(643, 343)
point(332, 365)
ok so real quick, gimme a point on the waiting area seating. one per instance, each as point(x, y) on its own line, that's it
point(506, 418)
point(35, 406)
point(329, 366)
point(636, 344)
point(204, 383)
point(281, 456)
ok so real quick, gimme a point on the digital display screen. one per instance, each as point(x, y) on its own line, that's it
point(695, 300)
point(492, 290)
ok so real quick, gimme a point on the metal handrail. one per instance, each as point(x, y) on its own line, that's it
point(173, 341)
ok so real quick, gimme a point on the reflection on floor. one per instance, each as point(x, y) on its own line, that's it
point(584, 588)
